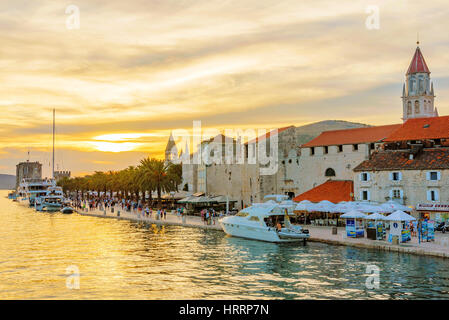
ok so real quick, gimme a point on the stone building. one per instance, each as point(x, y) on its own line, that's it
point(62, 174)
point(243, 176)
point(334, 154)
point(28, 170)
point(412, 167)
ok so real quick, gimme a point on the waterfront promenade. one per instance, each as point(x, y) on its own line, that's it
point(437, 248)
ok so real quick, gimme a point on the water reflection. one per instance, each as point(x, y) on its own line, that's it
point(130, 260)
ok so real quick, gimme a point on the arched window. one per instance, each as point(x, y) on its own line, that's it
point(409, 108)
point(412, 84)
point(329, 172)
point(416, 106)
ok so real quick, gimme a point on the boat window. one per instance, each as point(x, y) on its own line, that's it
point(242, 214)
point(272, 221)
point(254, 218)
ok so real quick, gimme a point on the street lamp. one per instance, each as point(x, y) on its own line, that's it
point(172, 193)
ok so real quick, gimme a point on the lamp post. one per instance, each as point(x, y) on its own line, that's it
point(172, 193)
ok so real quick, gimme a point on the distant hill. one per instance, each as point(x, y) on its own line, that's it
point(310, 131)
point(7, 182)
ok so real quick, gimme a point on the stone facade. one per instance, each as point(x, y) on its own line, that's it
point(408, 187)
point(62, 174)
point(28, 170)
point(319, 164)
point(245, 181)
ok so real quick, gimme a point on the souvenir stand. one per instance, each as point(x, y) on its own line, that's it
point(375, 222)
point(354, 224)
point(399, 226)
point(428, 230)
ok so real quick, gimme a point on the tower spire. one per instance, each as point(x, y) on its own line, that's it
point(417, 93)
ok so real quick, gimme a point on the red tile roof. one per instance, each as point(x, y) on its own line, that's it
point(421, 129)
point(352, 136)
point(264, 136)
point(332, 190)
point(418, 63)
point(428, 159)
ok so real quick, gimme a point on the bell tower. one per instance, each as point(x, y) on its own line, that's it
point(171, 151)
point(417, 93)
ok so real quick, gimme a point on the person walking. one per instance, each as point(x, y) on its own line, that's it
point(207, 217)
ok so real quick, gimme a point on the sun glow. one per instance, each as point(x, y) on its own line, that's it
point(122, 136)
point(115, 146)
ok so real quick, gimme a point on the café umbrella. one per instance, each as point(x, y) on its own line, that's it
point(354, 214)
point(375, 216)
point(400, 216)
point(392, 206)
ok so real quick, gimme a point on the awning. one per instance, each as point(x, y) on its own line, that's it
point(205, 199)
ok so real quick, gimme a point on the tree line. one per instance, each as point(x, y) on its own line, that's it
point(151, 175)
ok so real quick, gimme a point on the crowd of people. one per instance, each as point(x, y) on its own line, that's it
point(209, 216)
point(140, 208)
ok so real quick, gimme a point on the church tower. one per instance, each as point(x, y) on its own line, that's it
point(171, 151)
point(417, 93)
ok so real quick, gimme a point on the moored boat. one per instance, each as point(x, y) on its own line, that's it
point(66, 207)
point(52, 201)
point(264, 221)
point(67, 210)
point(30, 189)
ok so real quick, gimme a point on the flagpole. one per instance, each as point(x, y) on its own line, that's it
point(53, 161)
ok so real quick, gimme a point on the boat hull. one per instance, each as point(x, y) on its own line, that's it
point(48, 207)
point(256, 233)
point(67, 210)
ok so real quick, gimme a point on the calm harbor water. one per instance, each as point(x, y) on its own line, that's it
point(126, 260)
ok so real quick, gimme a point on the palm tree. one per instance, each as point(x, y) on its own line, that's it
point(156, 171)
point(175, 176)
point(145, 179)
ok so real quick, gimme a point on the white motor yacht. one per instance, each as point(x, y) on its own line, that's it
point(52, 201)
point(267, 221)
point(31, 189)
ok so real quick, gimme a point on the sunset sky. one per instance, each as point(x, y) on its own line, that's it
point(137, 69)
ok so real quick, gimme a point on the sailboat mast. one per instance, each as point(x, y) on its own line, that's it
point(53, 161)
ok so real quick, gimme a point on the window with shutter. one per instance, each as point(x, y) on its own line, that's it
point(433, 195)
point(395, 176)
point(364, 176)
point(364, 195)
point(433, 175)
